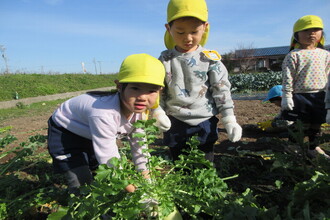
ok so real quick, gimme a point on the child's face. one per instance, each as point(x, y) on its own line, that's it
point(138, 97)
point(187, 33)
point(277, 102)
point(310, 37)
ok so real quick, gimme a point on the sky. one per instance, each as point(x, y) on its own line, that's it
point(57, 36)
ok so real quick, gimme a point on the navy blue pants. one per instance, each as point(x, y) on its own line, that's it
point(308, 107)
point(69, 150)
point(180, 133)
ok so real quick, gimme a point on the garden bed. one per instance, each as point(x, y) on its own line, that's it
point(252, 159)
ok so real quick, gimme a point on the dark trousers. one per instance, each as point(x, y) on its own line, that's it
point(181, 132)
point(72, 155)
point(69, 150)
point(310, 109)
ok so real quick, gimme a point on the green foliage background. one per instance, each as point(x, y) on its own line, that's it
point(254, 81)
point(32, 85)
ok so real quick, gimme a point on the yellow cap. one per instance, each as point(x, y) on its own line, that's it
point(142, 68)
point(308, 22)
point(186, 8)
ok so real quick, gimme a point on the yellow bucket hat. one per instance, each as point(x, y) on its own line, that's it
point(142, 68)
point(186, 8)
point(307, 22)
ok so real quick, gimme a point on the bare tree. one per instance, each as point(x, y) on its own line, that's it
point(3, 54)
point(244, 56)
point(228, 59)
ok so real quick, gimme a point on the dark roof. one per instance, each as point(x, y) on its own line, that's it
point(261, 52)
point(271, 51)
point(267, 51)
point(327, 47)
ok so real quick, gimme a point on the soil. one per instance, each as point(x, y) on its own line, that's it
point(248, 114)
point(254, 144)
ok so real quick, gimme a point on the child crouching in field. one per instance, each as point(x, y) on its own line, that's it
point(82, 132)
point(278, 123)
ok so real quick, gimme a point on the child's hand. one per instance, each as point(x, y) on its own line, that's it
point(162, 121)
point(130, 188)
point(234, 130)
point(145, 174)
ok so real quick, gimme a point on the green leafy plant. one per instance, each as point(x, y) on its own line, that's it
point(254, 81)
point(191, 185)
point(24, 189)
point(242, 185)
point(310, 198)
point(4, 141)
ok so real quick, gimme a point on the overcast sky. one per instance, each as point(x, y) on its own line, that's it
point(56, 36)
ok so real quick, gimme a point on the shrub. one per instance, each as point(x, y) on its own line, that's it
point(254, 81)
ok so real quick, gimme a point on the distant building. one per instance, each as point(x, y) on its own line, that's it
point(262, 59)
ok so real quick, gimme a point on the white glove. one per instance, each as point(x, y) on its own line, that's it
point(148, 202)
point(328, 116)
point(234, 130)
point(287, 101)
point(162, 121)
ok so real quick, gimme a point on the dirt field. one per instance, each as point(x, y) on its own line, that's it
point(248, 113)
point(245, 158)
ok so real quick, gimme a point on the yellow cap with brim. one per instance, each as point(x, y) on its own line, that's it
point(142, 68)
point(307, 22)
point(186, 8)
